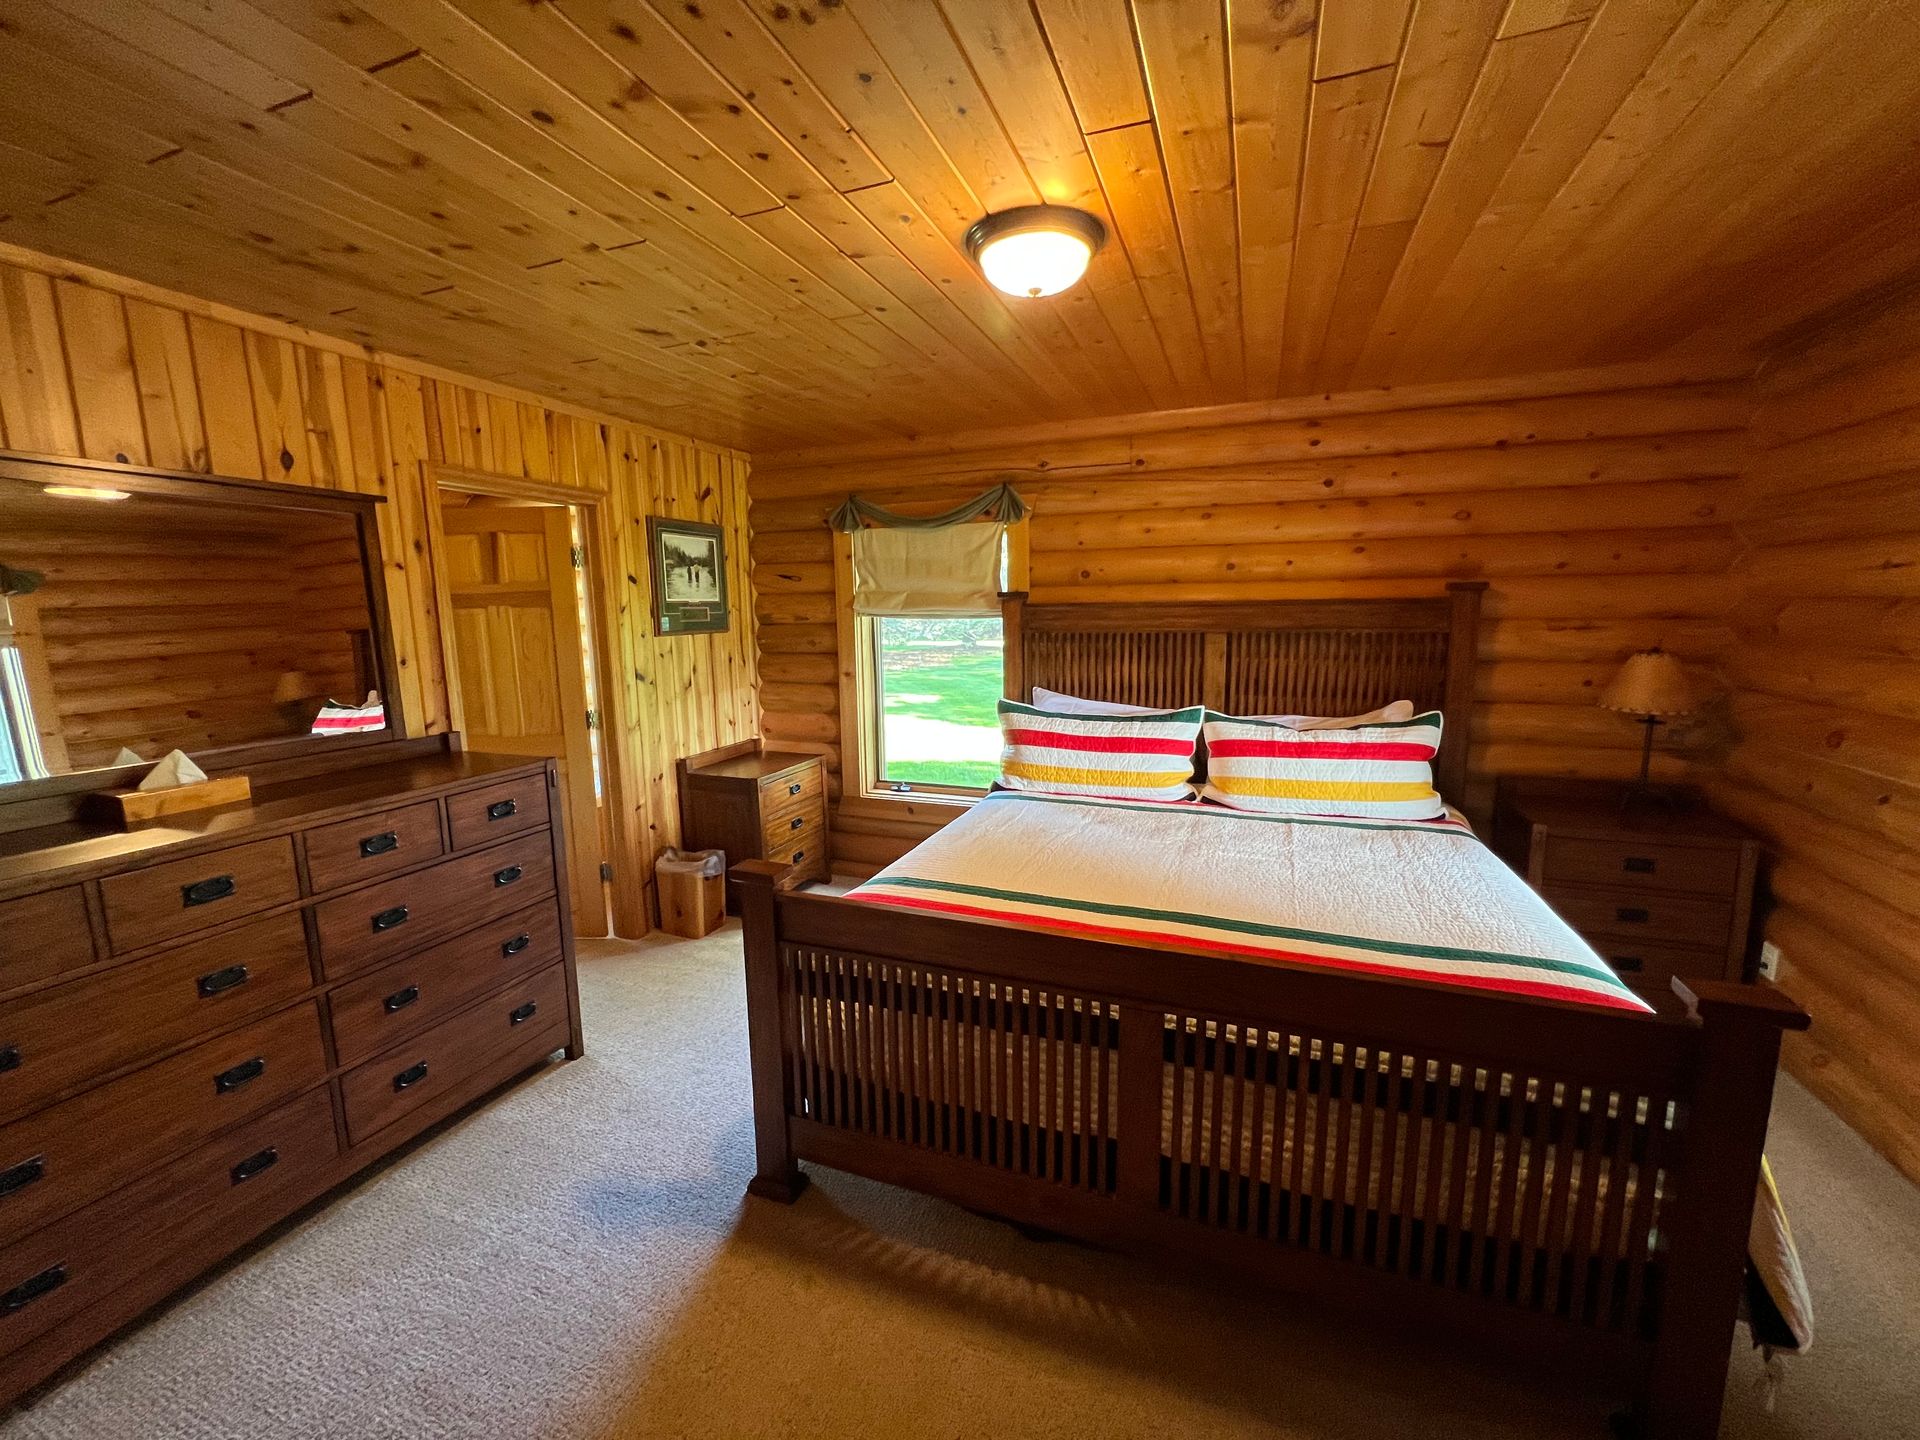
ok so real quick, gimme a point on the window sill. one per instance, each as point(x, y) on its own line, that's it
point(933, 806)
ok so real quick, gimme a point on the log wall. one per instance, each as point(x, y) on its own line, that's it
point(97, 366)
point(1826, 674)
point(1596, 504)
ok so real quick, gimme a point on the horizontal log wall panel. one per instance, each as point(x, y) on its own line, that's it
point(91, 365)
point(1602, 517)
point(1825, 665)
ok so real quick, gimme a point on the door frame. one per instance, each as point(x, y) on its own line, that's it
point(627, 902)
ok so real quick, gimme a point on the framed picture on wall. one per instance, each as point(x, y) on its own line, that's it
point(689, 576)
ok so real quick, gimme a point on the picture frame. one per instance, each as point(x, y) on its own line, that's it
point(689, 567)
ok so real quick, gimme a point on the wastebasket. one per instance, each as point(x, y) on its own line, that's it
point(692, 885)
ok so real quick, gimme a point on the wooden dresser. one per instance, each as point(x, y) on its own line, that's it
point(207, 1024)
point(1658, 892)
point(758, 805)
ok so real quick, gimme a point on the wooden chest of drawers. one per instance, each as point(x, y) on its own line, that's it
point(206, 1025)
point(1658, 892)
point(758, 805)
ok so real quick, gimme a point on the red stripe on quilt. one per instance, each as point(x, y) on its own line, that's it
point(1105, 744)
point(1535, 988)
point(1321, 749)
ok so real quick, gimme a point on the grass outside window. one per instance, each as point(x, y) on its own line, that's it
point(938, 683)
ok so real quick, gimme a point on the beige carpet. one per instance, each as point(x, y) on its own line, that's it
point(577, 1260)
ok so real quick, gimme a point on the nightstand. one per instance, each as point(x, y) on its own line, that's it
point(1657, 892)
point(757, 805)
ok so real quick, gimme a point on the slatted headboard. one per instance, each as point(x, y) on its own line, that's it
point(1305, 657)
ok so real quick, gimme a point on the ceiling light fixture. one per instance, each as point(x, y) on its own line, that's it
point(1035, 250)
point(86, 492)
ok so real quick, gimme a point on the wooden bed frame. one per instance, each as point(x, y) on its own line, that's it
point(1574, 1180)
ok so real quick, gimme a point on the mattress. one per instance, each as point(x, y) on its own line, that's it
point(1413, 899)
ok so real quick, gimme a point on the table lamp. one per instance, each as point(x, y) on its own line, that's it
point(1653, 686)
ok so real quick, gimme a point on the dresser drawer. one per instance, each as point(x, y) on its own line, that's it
point(42, 936)
point(795, 790)
point(1629, 915)
point(530, 1015)
point(61, 1038)
point(794, 829)
point(181, 896)
point(372, 846)
point(246, 1177)
point(410, 995)
point(494, 812)
point(1621, 860)
point(75, 1152)
point(398, 915)
point(1648, 966)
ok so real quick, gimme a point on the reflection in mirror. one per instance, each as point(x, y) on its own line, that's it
point(144, 623)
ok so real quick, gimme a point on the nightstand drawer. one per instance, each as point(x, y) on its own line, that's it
point(795, 828)
point(1648, 965)
point(796, 790)
point(1629, 913)
point(1618, 860)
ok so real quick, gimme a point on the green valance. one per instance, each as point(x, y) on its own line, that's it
point(1002, 503)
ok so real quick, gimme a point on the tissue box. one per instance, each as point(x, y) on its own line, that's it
point(135, 807)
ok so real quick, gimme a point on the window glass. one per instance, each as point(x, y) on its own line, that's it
point(937, 683)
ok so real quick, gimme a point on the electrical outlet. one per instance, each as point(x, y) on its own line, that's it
point(1769, 961)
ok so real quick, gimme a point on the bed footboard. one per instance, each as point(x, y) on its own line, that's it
point(1573, 1179)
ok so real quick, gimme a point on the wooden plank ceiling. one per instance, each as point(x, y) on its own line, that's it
point(742, 218)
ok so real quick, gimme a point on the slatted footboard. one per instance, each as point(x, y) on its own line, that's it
point(1573, 1178)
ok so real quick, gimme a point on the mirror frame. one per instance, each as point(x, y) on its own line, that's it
point(192, 485)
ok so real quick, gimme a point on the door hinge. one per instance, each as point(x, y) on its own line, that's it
point(593, 719)
point(578, 554)
point(606, 870)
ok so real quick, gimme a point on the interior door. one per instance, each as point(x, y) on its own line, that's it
point(521, 665)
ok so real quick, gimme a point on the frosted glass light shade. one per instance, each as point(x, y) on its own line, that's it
point(1035, 250)
point(1650, 683)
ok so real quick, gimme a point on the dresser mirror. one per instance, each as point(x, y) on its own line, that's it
point(142, 613)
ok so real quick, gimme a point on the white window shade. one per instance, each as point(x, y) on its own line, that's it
point(953, 571)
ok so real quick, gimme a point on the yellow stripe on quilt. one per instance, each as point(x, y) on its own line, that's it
point(1321, 789)
point(1072, 775)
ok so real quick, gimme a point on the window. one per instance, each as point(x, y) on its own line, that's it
point(919, 692)
point(937, 683)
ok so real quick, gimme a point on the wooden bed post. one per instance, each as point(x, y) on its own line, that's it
point(1013, 631)
point(1707, 1225)
point(776, 1175)
point(1463, 658)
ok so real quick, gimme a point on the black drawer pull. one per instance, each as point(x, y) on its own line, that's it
point(254, 1165)
point(1627, 964)
point(797, 822)
point(28, 1291)
point(380, 844)
point(525, 1013)
point(214, 981)
point(501, 809)
point(400, 999)
point(9, 1058)
point(1632, 915)
point(1638, 864)
point(387, 919)
point(798, 856)
point(516, 944)
point(410, 1076)
point(239, 1075)
point(794, 788)
point(205, 892)
point(508, 875)
point(18, 1177)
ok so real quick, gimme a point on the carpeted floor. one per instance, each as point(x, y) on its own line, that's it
point(577, 1260)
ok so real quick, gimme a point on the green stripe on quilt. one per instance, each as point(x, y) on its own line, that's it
point(1249, 927)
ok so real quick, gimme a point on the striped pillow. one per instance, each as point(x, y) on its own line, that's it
point(1126, 757)
point(1384, 771)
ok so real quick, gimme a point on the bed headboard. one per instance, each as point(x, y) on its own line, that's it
point(1306, 657)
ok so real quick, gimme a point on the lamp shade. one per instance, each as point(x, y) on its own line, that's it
point(1650, 683)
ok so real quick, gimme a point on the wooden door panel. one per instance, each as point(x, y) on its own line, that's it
point(520, 663)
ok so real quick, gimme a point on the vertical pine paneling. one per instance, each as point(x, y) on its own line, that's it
point(85, 371)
